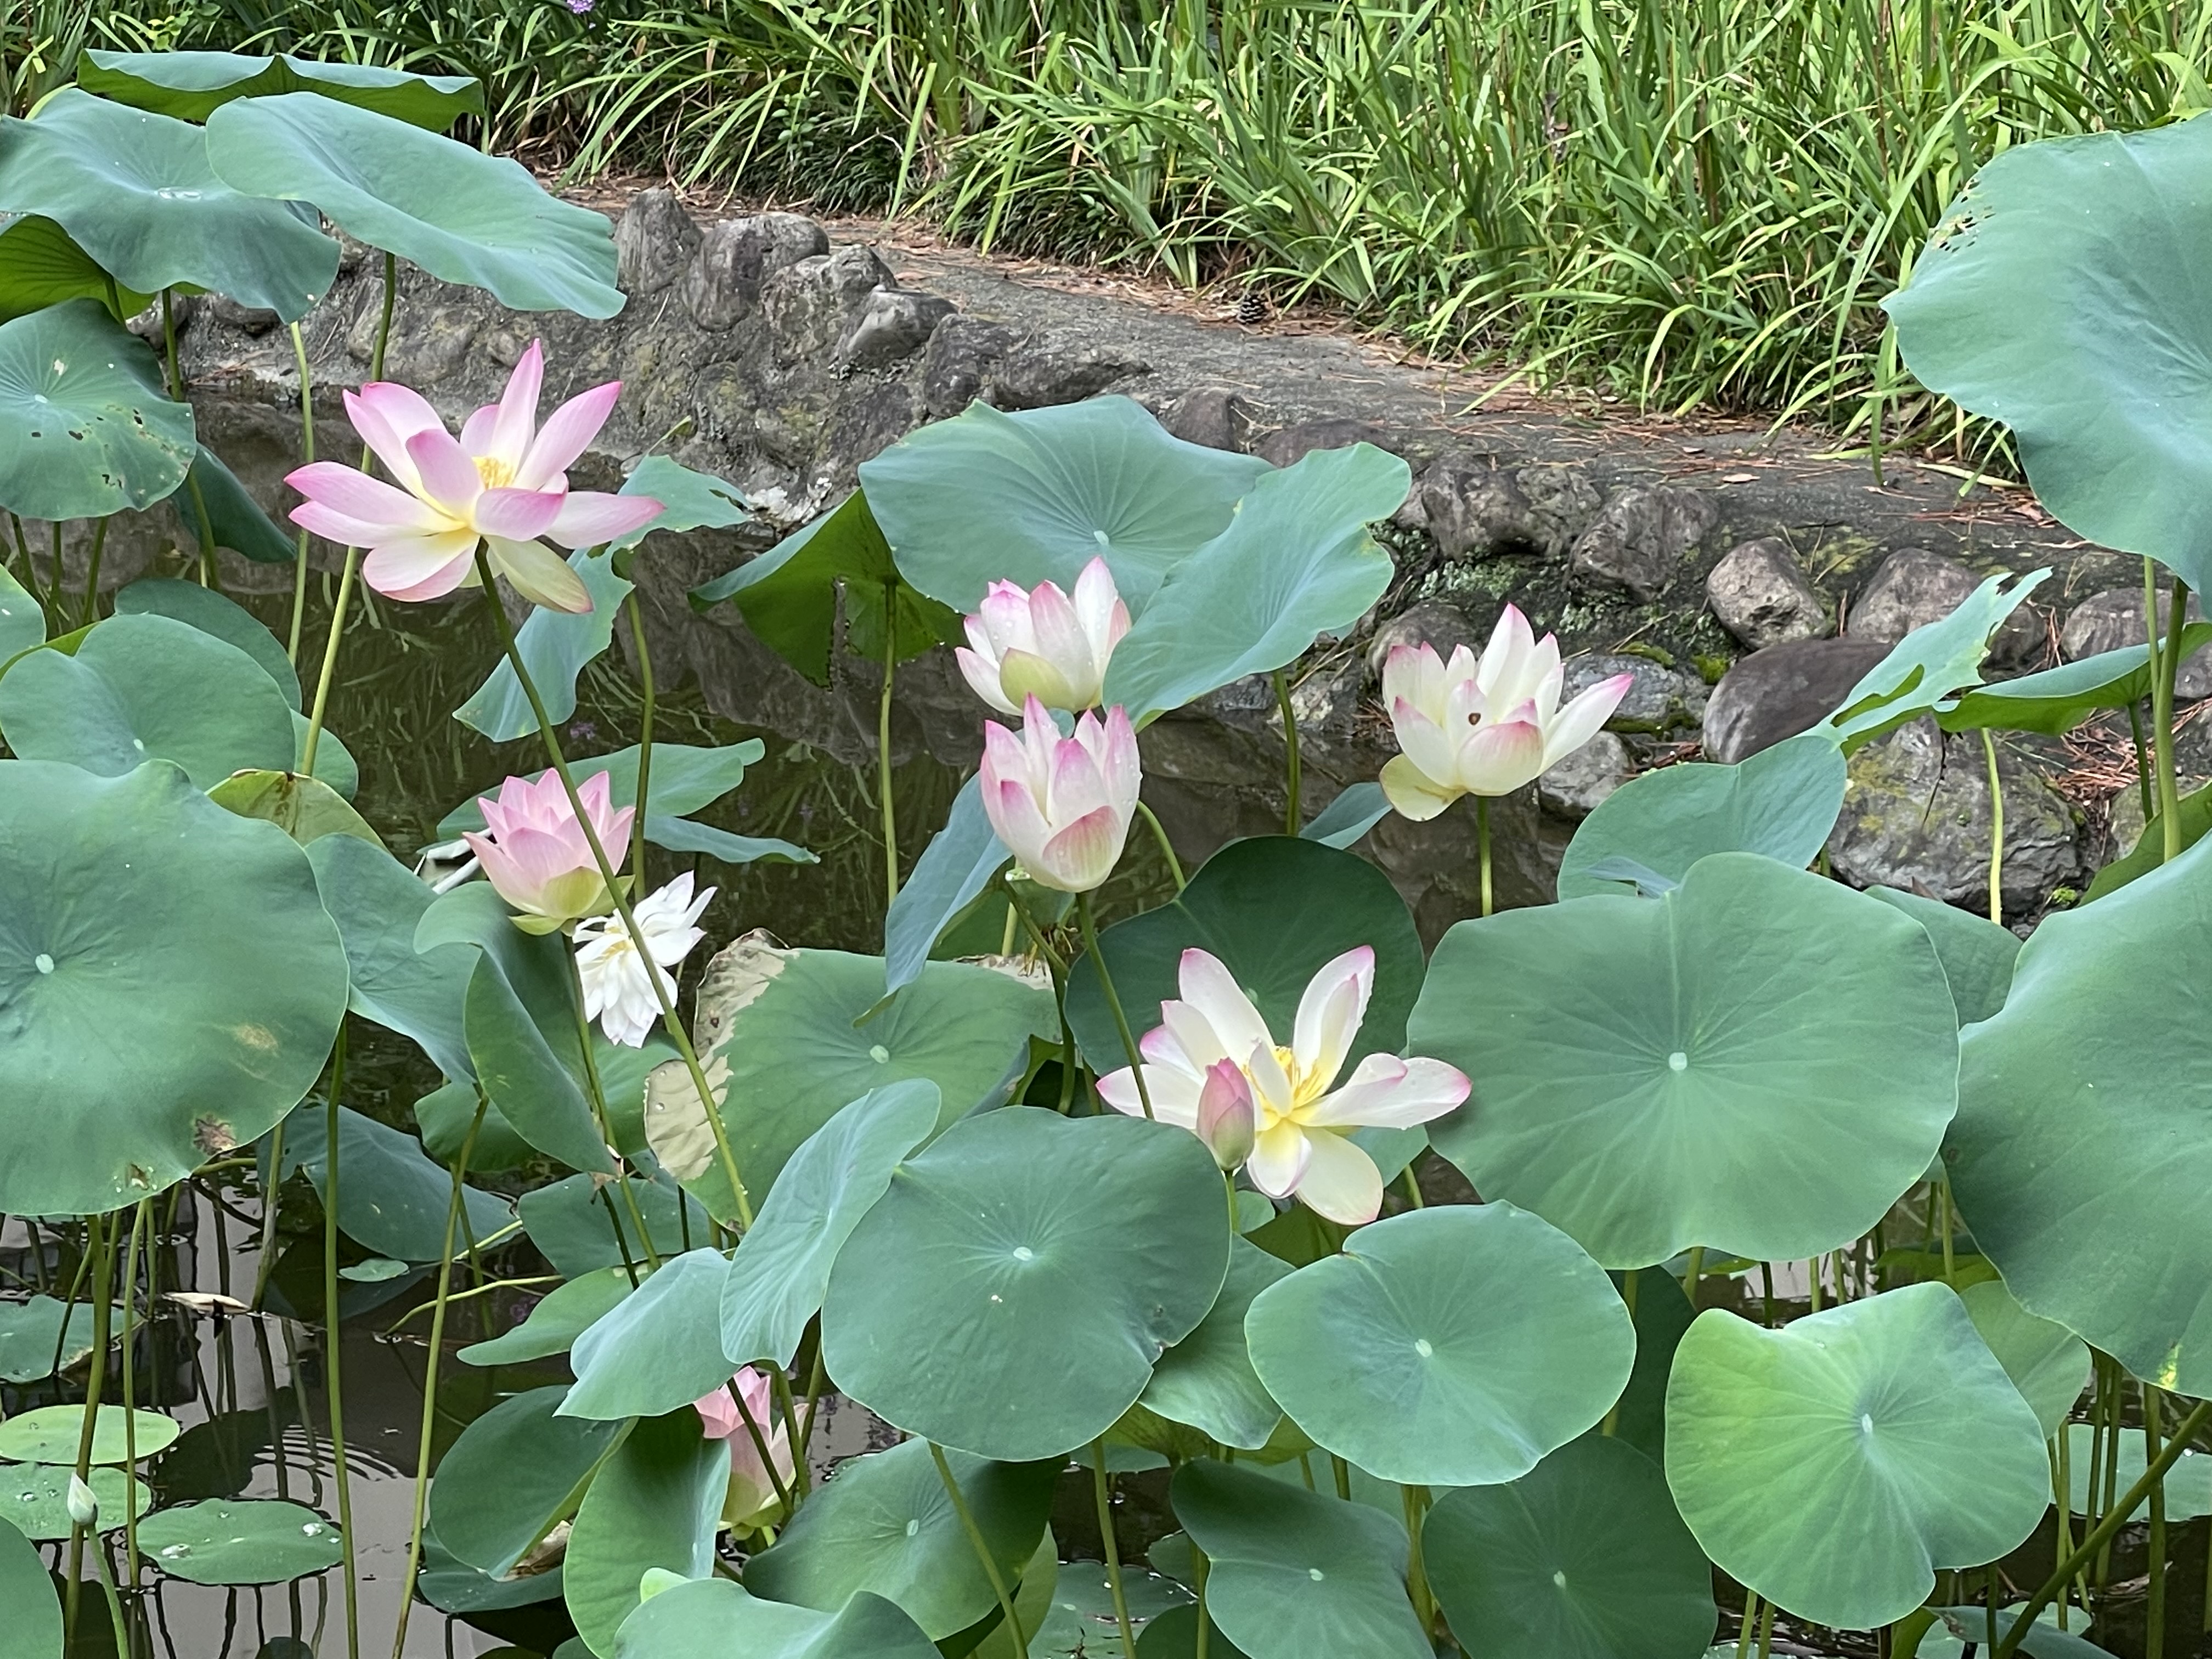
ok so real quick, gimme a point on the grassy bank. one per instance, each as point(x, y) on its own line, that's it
point(1685, 203)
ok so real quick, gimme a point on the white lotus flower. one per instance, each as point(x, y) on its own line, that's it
point(617, 991)
point(1040, 643)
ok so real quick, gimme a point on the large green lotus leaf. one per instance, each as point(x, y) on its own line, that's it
point(85, 430)
point(1760, 1061)
point(212, 613)
point(170, 984)
point(1449, 1347)
point(515, 1473)
point(2188, 1481)
point(34, 1498)
point(955, 866)
point(446, 1115)
point(715, 1618)
point(1582, 1558)
point(22, 619)
point(1173, 1635)
point(554, 1323)
point(1834, 1464)
point(656, 1502)
point(32, 1341)
point(2059, 699)
point(774, 1283)
point(226, 1540)
point(34, 1611)
point(1295, 563)
point(658, 1349)
point(378, 904)
point(885, 1525)
point(1036, 495)
point(555, 646)
point(2082, 1115)
point(41, 266)
point(392, 1199)
point(2192, 813)
point(1207, 1380)
point(460, 214)
point(2047, 1363)
point(786, 1042)
point(2056, 296)
point(234, 519)
point(453, 1586)
point(1978, 956)
point(147, 688)
point(192, 85)
point(1930, 667)
point(136, 191)
point(1782, 802)
point(49, 1434)
point(1274, 909)
point(1661, 1313)
point(574, 1227)
point(689, 500)
point(1295, 1575)
point(1058, 1257)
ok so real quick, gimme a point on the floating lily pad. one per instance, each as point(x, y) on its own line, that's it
point(2047, 1363)
point(515, 1473)
point(1207, 1380)
point(562, 1315)
point(34, 1497)
point(192, 85)
point(1451, 1347)
point(34, 1610)
point(1834, 1464)
point(1009, 1240)
point(240, 1541)
point(656, 1502)
point(714, 1617)
point(85, 430)
point(32, 1345)
point(1760, 1062)
point(658, 1349)
point(49, 1434)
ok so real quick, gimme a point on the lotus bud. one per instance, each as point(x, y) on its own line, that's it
point(84, 1505)
point(534, 851)
point(1226, 1118)
point(1043, 644)
point(1062, 805)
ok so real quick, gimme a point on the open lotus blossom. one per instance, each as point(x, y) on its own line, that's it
point(1302, 1118)
point(534, 850)
point(1062, 805)
point(503, 484)
point(1486, 728)
point(1043, 644)
point(618, 992)
point(751, 1498)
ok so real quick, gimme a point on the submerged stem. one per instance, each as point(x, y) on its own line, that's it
point(983, 1550)
point(1113, 1000)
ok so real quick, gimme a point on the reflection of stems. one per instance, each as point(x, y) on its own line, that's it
point(100, 1239)
point(983, 1550)
point(1167, 848)
point(644, 743)
point(1113, 1547)
point(307, 459)
point(430, 1375)
point(884, 743)
point(330, 1346)
point(1997, 830)
point(130, 1391)
point(1482, 846)
point(92, 572)
point(668, 1020)
point(1290, 815)
point(1113, 999)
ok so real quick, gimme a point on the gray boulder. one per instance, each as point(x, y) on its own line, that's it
point(1047, 373)
point(1214, 415)
point(1474, 507)
point(2108, 621)
point(812, 305)
point(1432, 622)
point(1783, 690)
point(655, 242)
point(1914, 587)
point(1579, 784)
point(1641, 537)
point(893, 322)
point(722, 285)
point(963, 353)
point(1659, 699)
point(1295, 443)
point(1761, 596)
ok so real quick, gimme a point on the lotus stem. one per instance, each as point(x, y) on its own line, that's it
point(1751, 1607)
point(54, 582)
point(307, 459)
point(1292, 819)
point(1113, 1000)
point(1112, 1546)
point(2164, 664)
point(1482, 847)
point(1342, 1471)
point(1997, 830)
point(106, 1569)
point(802, 1480)
point(983, 1550)
point(130, 1391)
point(596, 1092)
point(330, 1344)
point(1414, 1501)
point(270, 1188)
point(760, 1444)
point(1167, 848)
point(100, 1243)
point(644, 744)
point(883, 745)
point(2142, 760)
point(92, 573)
point(1200, 1566)
point(2154, 1610)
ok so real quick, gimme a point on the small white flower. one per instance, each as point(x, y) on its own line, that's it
point(83, 1506)
point(617, 991)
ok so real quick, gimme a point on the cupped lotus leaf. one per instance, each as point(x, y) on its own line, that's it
point(1661, 1312)
point(192, 85)
point(656, 1502)
point(49, 1434)
point(689, 500)
point(306, 808)
point(555, 646)
point(1781, 802)
point(2047, 1363)
point(378, 904)
point(774, 1283)
point(1834, 1464)
point(34, 1498)
point(515, 1473)
point(147, 1026)
point(658, 1349)
point(1295, 1575)
point(2082, 1111)
point(2188, 1480)
point(32, 1343)
point(222, 1540)
point(1274, 909)
point(1355, 810)
point(23, 620)
point(1034, 496)
point(1759, 1062)
point(2059, 699)
point(234, 520)
point(135, 191)
point(85, 430)
point(392, 1199)
point(581, 1225)
point(147, 688)
point(1058, 1255)
point(447, 1116)
point(40, 265)
point(453, 1586)
point(1450, 1347)
point(1978, 956)
point(35, 1609)
point(1926, 669)
point(460, 214)
point(885, 1525)
point(955, 866)
point(714, 1618)
point(1295, 563)
point(1582, 1558)
point(556, 1321)
point(1207, 1380)
point(212, 613)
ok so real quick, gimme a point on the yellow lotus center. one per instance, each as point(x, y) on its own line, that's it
point(1307, 1086)
point(496, 473)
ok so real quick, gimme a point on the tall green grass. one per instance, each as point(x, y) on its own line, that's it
point(1684, 203)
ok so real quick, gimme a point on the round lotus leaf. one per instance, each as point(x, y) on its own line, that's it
point(1759, 1062)
point(34, 1497)
point(714, 1618)
point(659, 1348)
point(1834, 1464)
point(171, 983)
point(84, 429)
point(657, 1502)
point(1207, 1380)
point(2082, 1121)
point(1057, 1256)
point(1274, 909)
point(212, 613)
point(1582, 1558)
point(1173, 1635)
point(1978, 956)
point(1449, 1347)
point(262, 1540)
point(460, 213)
point(514, 1472)
point(32, 1343)
point(49, 1434)
point(192, 85)
point(35, 1611)
point(2047, 1363)
point(147, 688)
point(136, 191)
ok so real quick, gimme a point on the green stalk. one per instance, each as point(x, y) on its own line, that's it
point(1112, 1546)
point(1113, 1000)
point(106, 1572)
point(101, 1253)
point(1167, 848)
point(1201, 1571)
point(2164, 664)
point(54, 583)
point(1751, 1607)
point(2154, 1610)
point(595, 1091)
point(644, 742)
point(330, 1357)
point(130, 1385)
point(1292, 819)
point(1997, 830)
point(1414, 1501)
point(2142, 760)
point(270, 1188)
point(983, 1550)
point(92, 573)
point(1482, 847)
point(760, 1445)
point(883, 745)
point(307, 459)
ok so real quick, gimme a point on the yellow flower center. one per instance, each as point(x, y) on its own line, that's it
point(496, 473)
point(1306, 1087)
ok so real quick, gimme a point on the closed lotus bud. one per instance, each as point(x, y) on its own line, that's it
point(83, 1505)
point(1226, 1121)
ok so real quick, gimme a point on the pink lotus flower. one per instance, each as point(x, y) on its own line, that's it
point(1040, 644)
point(502, 484)
point(534, 849)
point(751, 1498)
point(1466, 728)
point(1302, 1121)
point(1062, 805)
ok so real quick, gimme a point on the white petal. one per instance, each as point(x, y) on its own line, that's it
point(1209, 988)
point(1278, 1159)
point(1340, 1182)
point(1330, 1012)
point(1385, 1092)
